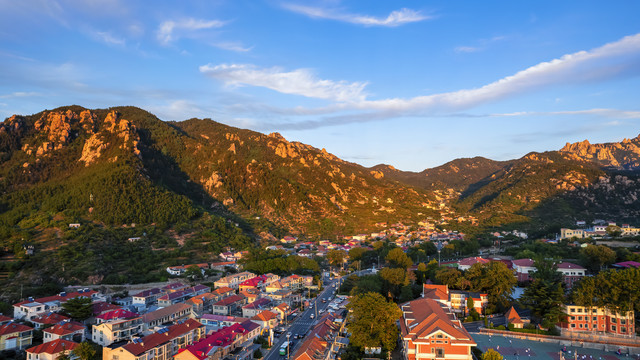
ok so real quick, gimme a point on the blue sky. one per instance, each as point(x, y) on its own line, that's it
point(413, 84)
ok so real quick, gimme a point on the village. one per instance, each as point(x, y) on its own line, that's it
point(244, 315)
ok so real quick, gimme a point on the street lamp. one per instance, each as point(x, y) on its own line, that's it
point(288, 343)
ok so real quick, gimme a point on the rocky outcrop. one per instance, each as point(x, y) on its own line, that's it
point(620, 155)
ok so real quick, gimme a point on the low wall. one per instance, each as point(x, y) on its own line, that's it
point(626, 346)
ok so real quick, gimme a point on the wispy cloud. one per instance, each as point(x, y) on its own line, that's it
point(20, 94)
point(351, 104)
point(608, 113)
point(107, 38)
point(466, 49)
point(297, 82)
point(171, 30)
point(231, 46)
point(395, 18)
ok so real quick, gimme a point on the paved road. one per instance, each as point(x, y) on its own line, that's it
point(303, 323)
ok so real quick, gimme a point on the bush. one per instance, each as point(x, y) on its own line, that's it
point(257, 354)
point(501, 327)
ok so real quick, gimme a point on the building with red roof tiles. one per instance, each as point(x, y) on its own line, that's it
point(217, 322)
point(455, 299)
point(162, 344)
point(15, 336)
point(429, 330)
point(223, 292)
point(220, 343)
point(31, 308)
point(229, 305)
point(103, 307)
point(283, 310)
point(266, 319)
point(119, 314)
point(466, 263)
point(5, 319)
point(48, 319)
point(116, 327)
point(51, 350)
point(626, 265)
point(317, 343)
point(439, 293)
point(524, 268)
point(513, 318)
point(202, 304)
point(251, 294)
point(571, 273)
point(69, 330)
point(234, 280)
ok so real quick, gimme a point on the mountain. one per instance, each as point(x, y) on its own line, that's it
point(624, 155)
point(123, 165)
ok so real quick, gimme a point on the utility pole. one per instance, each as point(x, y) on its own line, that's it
point(288, 344)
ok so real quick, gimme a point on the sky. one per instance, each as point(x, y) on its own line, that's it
point(413, 84)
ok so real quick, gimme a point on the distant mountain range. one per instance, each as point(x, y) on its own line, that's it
point(123, 165)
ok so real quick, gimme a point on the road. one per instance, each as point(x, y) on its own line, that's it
point(303, 323)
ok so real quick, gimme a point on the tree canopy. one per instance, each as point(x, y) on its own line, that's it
point(79, 308)
point(372, 321)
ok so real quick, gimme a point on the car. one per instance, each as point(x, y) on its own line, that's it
point(296, 336)
point(311, 316)
point(324, 300)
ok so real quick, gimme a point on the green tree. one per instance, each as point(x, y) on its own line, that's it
point(545, 295)
point(398, 259)
point(494, 279)
point(79, 308)
point(85, 351)
point(491, 354)
point(336, 257)
point(356, 253)
point(393, 280)
point(368, 283)
point(372, 321)
point(448, 276)
point(193, 272)
point(594, 257)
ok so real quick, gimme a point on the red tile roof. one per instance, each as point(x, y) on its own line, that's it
point(265, 316)
point(12, 328)
point(569, 266)
point(159, 338)
point(53, 347)
point(524, 262)
point(62, 297)
point(52, 318)
point(221, 338)
point(102, 307)
point(65, 328)
point(230, 300)
point(473, 260)
point(423, 317)
point(117, 315)
point(513, 317)
point(5, 318)
point(437, 292)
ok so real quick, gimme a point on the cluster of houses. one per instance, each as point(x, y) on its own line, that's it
point(177, 320)
point(597, 230)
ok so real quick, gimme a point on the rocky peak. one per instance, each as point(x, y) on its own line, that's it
point(620, 155)
point(12, 124)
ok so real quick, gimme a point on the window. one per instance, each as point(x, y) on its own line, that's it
point(580, 326)
point(613, 328)
point(573, 325)
point(579, 310)
point(439, 352)
point(573, 318)
point(595, 326)
point(623, 329)
point(622, 322)
point(579, 318)
point(614, 320)
point(595, 318)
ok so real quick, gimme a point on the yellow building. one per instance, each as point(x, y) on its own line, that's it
point(15, 336)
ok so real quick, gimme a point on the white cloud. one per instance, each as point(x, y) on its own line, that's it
point(109, 39)
point(232, 46)
point(297, 82)
point(171, 30)
point(395, 18)
point(466, 49)
point(608, 113)
point(20, 94)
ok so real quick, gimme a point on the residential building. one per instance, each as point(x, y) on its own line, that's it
point(466, 263)
point(595, 319)
point(220, 343)
point(223, 292)
point(266, 319)
point(229, 305)
point(430, 331)
point(15, 336)
point(175, 297)
point(147, 297)
point(161, 345)
point(216, 322)
point(5, 319)
point(571, 233)
point(169, 314)
point(513, 318)
point(180, 270)
point(116, 326)
point(523, 269)
point(202, 304)
point(48, 320)
point(457, 300)
point(68, 330)
point(321, 342)
point(571, 273)
point(234, 280)
point(51, 350)
point(283, 310)
point(256, 307)
point(32, 308)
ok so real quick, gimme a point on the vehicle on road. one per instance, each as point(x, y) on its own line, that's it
point(312, 316)
point(283, 348)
